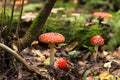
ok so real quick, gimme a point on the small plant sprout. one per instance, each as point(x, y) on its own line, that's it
point(74, 53)
point(96, 40)
point(61, 63)
point(102, 15)
point(52, 38)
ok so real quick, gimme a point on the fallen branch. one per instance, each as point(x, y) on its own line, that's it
point(22, 60)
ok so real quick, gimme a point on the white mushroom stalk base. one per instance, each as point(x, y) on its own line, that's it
point(96, 53)
point(52, 53)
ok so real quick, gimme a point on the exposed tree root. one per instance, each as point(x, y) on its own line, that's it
point(23, 61)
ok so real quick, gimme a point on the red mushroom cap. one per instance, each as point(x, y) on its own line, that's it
point(52, 37)
point(102, 15)
point(61, 63)
point(19, 2)
point(97, 40)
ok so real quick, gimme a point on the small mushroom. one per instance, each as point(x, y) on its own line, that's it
point(96, 40)
point(61, 63)
point(19, 2)
point(52, 38)
point(75, 15)
point(102, 15)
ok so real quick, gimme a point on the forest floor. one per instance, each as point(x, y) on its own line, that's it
point(80, 67)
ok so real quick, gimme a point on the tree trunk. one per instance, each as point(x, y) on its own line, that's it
point(36, 27)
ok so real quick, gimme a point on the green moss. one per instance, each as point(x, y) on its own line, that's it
point(32, 7)
point(35, 25)
point(75, 31)
point(5, 20)
point(59, 3)
point(115, 39)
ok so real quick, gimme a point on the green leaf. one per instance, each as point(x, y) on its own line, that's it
point(86, 74)
point(74, 53)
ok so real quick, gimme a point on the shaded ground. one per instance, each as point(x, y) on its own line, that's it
point(81, 67)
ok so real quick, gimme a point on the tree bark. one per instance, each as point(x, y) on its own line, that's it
point(36, 27)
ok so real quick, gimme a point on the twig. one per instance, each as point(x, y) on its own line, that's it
point(3, 15)
point(4, 11)
point(22, 60)
point(20, 72)
point(11, 18)
point(19, 20)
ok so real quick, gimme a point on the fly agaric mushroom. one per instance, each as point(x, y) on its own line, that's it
point(60, 63)
point(19, 2)
point(96, 40)
point(102, 15)
point(52, 38)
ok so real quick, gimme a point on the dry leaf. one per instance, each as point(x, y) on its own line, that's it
point(118, 49)
point(106, 76)
point(34, 42)
point(109, 57)
point(117, 72)
point(15, 47)
point(54, 50)
point(104, 47)
point(116, 54)
point(82, 63)
point(90, 78)
point(1, 78)
point(46, 53)
point(29, 16)
point(107, 65)
point(75, 1)
point(47, 61)
point(71, 46)
point(26, 73)
point(118, 78)
point(105, 53)
point(41, 58)
point(36, 52)
point(117, 61)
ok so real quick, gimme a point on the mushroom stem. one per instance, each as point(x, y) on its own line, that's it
point(52, 52)
point(96, 52)
point(100, 20)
